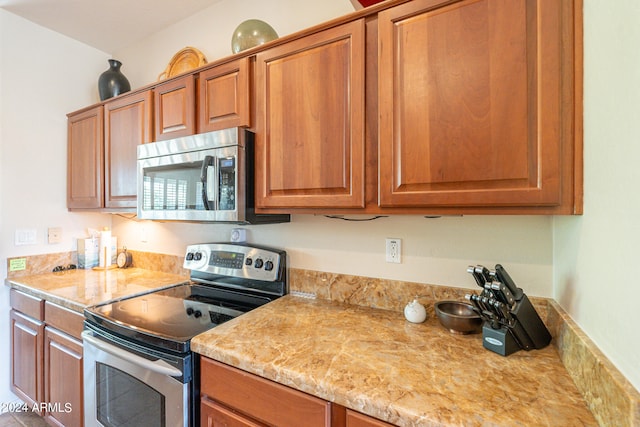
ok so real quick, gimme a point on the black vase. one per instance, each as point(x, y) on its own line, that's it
point(112, 82)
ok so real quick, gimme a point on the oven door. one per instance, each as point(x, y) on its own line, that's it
point(129, 385)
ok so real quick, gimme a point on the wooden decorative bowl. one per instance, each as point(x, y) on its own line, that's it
point(185, 60)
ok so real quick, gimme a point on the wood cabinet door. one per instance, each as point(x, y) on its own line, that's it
point(127, 124)
point(223, 96)
point(63, 376)
point(471, 99)
point(310, 121)
point(85, 151)
point(175, 108)
point(26, 357)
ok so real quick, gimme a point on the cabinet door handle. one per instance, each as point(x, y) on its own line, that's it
point(158, 366)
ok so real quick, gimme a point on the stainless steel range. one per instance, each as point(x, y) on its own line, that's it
point(138, 365)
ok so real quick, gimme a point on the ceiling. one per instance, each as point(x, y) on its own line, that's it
point(107, 25)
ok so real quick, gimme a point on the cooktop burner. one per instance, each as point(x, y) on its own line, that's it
point(219, 292)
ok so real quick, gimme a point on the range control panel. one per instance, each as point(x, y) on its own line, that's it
point(236, 260)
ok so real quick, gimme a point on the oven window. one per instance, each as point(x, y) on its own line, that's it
point(123, 400)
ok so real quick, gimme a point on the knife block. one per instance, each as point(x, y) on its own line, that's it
point(499, 340)
point(531, 322)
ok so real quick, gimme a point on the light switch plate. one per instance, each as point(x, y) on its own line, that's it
point(25, 236)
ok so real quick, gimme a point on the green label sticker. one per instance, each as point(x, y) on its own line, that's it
point(17, 264)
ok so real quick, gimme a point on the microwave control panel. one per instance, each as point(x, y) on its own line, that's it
point(227, 199)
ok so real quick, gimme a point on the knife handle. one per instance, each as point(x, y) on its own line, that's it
point(484, 272)
point(503, 294)
point(478, 278)
point(503, 277)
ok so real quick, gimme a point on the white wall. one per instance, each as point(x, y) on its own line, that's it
point(435, 251)
point(595, 256)
point(43, 76)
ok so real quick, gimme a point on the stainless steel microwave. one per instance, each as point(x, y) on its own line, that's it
point(206, 178)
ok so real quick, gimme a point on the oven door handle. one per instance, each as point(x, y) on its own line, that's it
point(159, 366)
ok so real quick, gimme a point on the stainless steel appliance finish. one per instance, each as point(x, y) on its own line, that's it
point(206, 177)
point(126, 384)
point(137, 356)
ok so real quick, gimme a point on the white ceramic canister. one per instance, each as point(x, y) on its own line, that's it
point(415, 312)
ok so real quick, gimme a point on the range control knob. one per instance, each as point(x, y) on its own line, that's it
point(189, 311)
point(258, 263)
point(268, 266)
point(248, 261)
point(197, 314)
point(197, 256)
point(190, 256)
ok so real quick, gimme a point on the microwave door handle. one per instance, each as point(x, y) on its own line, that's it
point(206, 178)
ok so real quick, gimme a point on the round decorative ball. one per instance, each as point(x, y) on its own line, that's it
point(250, 33)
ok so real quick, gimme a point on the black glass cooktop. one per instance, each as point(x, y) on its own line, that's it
point(169, 318)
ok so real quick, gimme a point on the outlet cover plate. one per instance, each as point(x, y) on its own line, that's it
point(393, 250)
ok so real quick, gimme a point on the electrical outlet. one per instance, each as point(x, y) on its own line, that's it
point(54, 235)
point(393, 250)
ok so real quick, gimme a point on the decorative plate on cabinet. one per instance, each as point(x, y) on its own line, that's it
point(183, 61)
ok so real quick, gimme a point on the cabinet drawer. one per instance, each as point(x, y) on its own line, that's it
point(356, 419)
point(213, 414)
point(62, 318)
point(262, 399)
point(27, 304)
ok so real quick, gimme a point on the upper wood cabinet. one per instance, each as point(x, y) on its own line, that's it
point(85, 159)
point(127, 124)
point(476, 106)
point(224, 96)
point(175, 108)
point(102, 152)
point(310, 121)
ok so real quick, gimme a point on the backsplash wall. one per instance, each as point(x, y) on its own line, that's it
point(434, 251)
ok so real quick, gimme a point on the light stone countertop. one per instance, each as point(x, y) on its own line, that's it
point(375, 362)
point(77, 289)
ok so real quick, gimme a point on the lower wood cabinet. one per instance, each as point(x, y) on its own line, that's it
point(356, 419)
point(257, 401)
point(213, 414)
point(231, 397)
point(26, 357)
point(46, 359)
